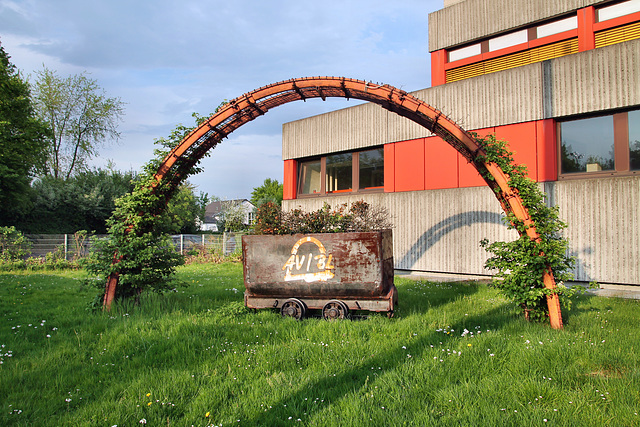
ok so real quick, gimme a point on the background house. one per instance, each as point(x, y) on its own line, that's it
point(559, 80)
point(227, 212)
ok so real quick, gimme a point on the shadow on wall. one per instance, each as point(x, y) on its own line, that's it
point(444, 227)
point(581, 268)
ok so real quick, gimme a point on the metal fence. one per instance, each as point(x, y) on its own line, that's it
point(73, 246)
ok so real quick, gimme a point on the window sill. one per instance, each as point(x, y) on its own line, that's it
point(601, 174)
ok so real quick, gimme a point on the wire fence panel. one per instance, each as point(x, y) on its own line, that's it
point(223, 244)
point(74, 246)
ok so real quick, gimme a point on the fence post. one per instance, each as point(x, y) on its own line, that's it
point(182, 244)
point(66, 247)
point(224, 243)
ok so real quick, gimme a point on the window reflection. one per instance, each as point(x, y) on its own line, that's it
point(371, 168)
point(634, 140)
point(587, 145)
point(309, 177)
point(339, 172)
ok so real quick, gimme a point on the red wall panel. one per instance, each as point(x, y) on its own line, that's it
point(523, 142)
point(409, 165)
point(289, 180)
point(547, 151)
point(438, 63)
point(586, 35)
point(468, 176)
point(389, 168)
point(441, 164)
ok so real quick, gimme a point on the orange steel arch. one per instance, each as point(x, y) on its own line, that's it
point(177, 164)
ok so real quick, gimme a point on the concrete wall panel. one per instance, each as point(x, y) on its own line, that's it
point(596, 80)
point(603, 227)
point(440, 230)
point(599, 79)
point(437, 230)
point(342, 130)
point(471, 20)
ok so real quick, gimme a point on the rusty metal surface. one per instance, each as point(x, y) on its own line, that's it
point(319, 265)
point(384, 303)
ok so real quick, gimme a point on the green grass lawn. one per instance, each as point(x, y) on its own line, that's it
point(455, 354)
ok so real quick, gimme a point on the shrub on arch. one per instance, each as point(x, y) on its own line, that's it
point(520, 264)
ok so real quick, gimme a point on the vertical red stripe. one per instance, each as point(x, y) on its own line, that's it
point(389, 168)
point(586, 35)
point(438, 61)
point(289, 180)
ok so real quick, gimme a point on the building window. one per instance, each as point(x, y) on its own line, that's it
point(358, 171)
point(465, 52)
point(634, 139)
point(587, 145)
point(607, 144)
point(508, 40)
point(339, 176)
point(371, 166)
point(557, 27)
point(617, 10)
point(310, 176)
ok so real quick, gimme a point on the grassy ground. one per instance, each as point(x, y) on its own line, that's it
point(454, 354)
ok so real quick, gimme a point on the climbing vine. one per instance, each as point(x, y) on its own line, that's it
point(520, 264)
point(137, 248)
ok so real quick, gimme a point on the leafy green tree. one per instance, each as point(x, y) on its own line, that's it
point(22, 141)
point(270, 191)
point(83, 202)
point(184, 211)
point(81, 117)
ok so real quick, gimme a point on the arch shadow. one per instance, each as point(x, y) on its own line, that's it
point(430, 237)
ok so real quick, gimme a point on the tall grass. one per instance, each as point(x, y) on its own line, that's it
point(454, 354)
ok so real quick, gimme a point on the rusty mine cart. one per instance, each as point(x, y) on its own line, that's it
point(338, 273)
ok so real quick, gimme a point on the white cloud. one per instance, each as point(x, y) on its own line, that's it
point(167, 59)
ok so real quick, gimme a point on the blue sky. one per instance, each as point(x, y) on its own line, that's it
point(167, 59)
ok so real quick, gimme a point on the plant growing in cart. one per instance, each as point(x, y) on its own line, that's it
point(334, 260)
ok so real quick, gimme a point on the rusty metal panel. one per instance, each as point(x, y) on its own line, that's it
point(386, 303)
point(329, 265)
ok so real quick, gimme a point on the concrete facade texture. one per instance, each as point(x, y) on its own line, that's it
point(439, 203)
point(472, 20)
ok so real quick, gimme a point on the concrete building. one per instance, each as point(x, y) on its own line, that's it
point(559, 80)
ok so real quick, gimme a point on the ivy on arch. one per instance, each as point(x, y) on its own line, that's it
point(163, 175)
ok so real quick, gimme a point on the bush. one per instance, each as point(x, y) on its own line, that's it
point(360, 216)
point(13, 244)
point(521, 264)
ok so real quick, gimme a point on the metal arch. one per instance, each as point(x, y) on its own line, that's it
point(237, 112)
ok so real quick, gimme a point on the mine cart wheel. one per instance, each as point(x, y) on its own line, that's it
point(293, 308)
point(335, 310)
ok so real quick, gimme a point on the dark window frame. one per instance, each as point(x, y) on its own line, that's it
point(621, 148)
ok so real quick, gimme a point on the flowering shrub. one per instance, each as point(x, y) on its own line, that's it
point(360, 216)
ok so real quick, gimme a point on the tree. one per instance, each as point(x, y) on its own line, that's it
point(22, 141)
point(184, 211)
point(83, 202)
point(231, 215)
point(269, 191)
point(81, 118)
